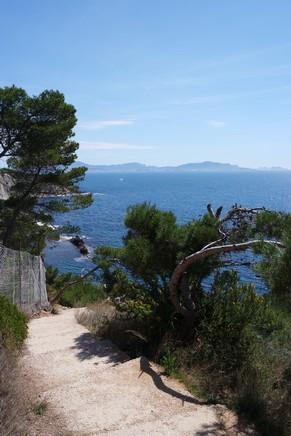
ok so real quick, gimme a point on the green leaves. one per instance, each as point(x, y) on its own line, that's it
point(36, 133)
point(81, 201)
point(152, 246)
point(14, 119)
point(151, 242)
point(13, 325)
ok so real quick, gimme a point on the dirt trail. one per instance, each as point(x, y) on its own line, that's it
point(98, 391)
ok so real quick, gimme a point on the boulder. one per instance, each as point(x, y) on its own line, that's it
point(80, 244)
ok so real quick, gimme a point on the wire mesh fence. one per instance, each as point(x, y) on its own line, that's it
point(22, 279)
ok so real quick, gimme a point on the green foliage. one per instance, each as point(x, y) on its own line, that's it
point(36, 134)
point(151, 242)
point(55, 280)
point(169, 362)
point(69, 229)
point(140, 270)
point(76, 295)
point(273, 224)
point(240, 353)
point(13, 325)
point(232, 320)
point(275, 265)
point(81, 294)
point(237, 349)
point(14, 105)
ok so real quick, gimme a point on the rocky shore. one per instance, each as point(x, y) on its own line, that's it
point(80, 244)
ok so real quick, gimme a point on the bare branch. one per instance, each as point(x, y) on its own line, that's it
point(205, 252)
point(186, 293)
point(218, 212)
point(76, 281)
point(213, 243)
point(240, 212)
point(73, 282)
point(210, 211)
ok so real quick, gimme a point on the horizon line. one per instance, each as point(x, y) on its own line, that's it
point(183, 164)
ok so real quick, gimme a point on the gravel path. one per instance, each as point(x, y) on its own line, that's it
point(97, 390)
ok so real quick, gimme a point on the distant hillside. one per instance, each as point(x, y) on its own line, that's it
point(135, 167)
point(274, 169)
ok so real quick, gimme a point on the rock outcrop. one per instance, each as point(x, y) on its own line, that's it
point(80, 244)
point(49, 190)
point(6, 183)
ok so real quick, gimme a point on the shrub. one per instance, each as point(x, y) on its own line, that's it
point(77, 295)
point(233, 321)
point(237, 344)
point(81, 294)
point(13, 331)
point(169, 362)
point(238, 352)
point(13, 325)
point(241, 351)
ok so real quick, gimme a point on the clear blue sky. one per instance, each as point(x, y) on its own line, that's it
point(160, 81)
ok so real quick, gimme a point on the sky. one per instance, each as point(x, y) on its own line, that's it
point(160, 82)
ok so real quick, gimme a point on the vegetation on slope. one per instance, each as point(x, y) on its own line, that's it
point(79, 294)
point(36, 140)
point(227, 342)
point(13, 325)
point(235, 347)
point(13, 331)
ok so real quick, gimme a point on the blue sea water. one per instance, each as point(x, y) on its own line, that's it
point(185, 194)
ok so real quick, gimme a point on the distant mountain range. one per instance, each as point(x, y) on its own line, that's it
point(135, 167)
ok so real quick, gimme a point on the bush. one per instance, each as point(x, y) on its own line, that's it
point(13, 325)
point(233, 322)
point(77, 295)
point(237, 344)
point(239, 353)
point(13, 331)
point(81, 294)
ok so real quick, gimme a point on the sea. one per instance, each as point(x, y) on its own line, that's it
point(185, 194)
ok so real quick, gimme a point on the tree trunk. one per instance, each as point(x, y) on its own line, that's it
point(202, 254)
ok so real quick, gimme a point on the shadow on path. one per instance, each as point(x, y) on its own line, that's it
point(220, 429)
point(88, 347)
point(159, 383)
point(210, 430)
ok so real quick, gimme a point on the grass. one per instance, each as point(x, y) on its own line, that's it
point(13, 331)
point(13, 325)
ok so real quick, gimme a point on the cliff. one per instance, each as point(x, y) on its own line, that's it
point(7, 181)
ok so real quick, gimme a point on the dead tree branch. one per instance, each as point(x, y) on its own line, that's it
point(207, 251)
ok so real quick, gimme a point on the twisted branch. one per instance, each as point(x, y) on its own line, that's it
point(207, 251)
